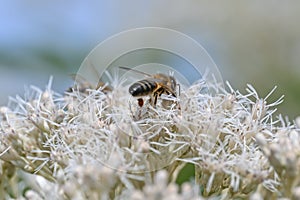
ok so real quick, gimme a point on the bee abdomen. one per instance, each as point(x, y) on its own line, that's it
point(142, 88)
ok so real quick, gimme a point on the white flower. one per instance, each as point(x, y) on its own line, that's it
point(100, 144)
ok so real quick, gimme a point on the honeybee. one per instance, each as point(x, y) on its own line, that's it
point(154, 86)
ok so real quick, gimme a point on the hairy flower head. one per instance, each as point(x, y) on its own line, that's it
point(101, 144)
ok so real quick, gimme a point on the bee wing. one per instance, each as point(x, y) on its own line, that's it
point(80, 79)
point(136, 71)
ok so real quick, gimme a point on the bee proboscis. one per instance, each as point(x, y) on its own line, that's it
point(154, 86)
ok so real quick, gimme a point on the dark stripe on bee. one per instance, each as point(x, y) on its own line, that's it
point(142, 88)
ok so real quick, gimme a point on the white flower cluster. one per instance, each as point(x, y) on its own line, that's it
point(100, 144)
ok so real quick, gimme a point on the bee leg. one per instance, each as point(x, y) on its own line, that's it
point(168, 91)
point(151, 99)
point(154, 97)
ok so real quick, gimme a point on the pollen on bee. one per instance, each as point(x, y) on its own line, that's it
point(140, 102)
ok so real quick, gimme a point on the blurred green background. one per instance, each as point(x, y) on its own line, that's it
point(256, 42)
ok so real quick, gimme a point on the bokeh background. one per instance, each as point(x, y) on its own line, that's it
point(256, 42)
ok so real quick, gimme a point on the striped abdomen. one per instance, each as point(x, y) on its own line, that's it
point(143, 87)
